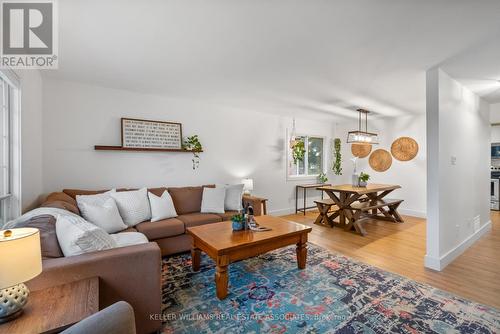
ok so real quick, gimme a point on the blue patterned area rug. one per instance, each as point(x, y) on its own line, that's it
point(334, 294)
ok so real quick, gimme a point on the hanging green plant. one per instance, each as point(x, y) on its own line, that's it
point(192, 143)
point(337, 157)
point(298, 150)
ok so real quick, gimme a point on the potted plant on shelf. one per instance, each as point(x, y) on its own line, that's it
point(322, 178)
point(192, 143)
point(363, 179)
point(238, 222)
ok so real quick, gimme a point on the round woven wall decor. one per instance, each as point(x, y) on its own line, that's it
point(404, 149)
point(361, 150)
point(380, 160)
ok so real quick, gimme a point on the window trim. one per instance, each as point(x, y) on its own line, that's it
point(11, 203)
point(289, 160)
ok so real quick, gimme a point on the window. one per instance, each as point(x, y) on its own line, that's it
point(9, 149)
point(5, 140)
point(312, 163)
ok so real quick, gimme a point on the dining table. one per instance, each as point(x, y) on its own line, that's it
point(370, 201)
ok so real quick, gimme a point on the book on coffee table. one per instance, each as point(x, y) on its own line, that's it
point(259, 228)
point(254, 226)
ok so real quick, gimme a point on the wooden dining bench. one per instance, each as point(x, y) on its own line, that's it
point(324, 207)
point(364, 211)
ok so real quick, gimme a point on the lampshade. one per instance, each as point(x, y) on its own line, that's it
point(362, 136)
point(20, 256)
point(247, 184)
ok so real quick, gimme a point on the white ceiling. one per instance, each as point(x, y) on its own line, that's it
point(479, 69)
point(285, 56)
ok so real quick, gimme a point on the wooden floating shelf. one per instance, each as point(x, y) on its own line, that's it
point(120, 148)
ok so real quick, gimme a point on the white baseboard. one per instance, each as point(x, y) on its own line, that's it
point(432, 263)
point(413, 213)
point(440, 263)
point(281, 212)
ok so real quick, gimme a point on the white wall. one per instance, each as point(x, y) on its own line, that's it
point(458, 137)
point(411, 175)
point(237, 143)
point(31, 138)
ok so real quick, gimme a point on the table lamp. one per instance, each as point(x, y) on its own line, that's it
point(20, 261)
point(247, 185)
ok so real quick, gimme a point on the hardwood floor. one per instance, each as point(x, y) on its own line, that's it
point(400, 248)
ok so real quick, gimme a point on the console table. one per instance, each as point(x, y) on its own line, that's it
point(304, 187)
point(262, 209)
point(53, 309)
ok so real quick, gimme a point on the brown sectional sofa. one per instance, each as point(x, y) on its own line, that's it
point(132, 273)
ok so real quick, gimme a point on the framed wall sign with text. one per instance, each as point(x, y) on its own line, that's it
point(141, 133)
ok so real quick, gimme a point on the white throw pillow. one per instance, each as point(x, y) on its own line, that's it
point(129, 238)
point(96, 199)
point(105, 215)
point(133, 206)
point(77, 236)
point(161, 207)
point(213, 200)
point(234, 194)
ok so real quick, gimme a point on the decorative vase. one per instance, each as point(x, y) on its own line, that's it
point(362, 183)
point(355, 180)
point(237, 226)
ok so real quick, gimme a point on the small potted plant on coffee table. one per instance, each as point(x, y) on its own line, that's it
point(363, 179)
point(238, 222)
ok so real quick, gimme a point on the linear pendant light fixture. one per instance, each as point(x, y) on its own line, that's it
point(360, 136)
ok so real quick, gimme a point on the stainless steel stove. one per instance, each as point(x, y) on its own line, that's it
point(495, 188)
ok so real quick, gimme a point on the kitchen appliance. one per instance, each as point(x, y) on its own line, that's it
point(495, 151)
point(495, 190)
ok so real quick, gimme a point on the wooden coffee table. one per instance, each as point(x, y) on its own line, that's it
point(225, 246)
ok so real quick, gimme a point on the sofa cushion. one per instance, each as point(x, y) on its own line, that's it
point(129, 229)
point(227, 215)
point(74, 192)
point(94, 200)
point(105, 215)
point(77, 236)
point(213, 200)
point(157, 191)
point(60, 196)
point(61, 200)
point(161, 229)
point(133, 206)
point(195, 219)
point(162, 207)
point(129, 238)
point(233, 200)
point(48, 238)
point(61, 205)
point(187, 199)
